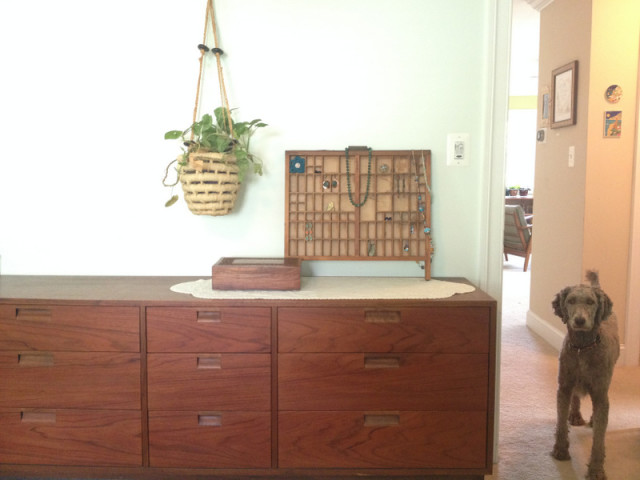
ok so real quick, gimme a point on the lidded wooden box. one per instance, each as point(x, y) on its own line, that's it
point(233, 273)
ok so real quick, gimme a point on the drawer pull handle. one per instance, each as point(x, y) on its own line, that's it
point(382, 317)
point(33, 314)
point(35, 359)
point(383, 420)
point(209, 317)
point(38, 417)
point(209, 419)
point(209, 362)
point(381, 362)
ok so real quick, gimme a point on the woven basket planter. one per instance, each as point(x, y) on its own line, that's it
point(210, 183)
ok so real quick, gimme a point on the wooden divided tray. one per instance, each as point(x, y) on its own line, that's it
point(330, 216)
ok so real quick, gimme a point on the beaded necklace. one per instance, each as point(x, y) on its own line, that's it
point(366, 195)
point(419, 202)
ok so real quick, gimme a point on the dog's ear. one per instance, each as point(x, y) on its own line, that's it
point(605, 306)
point(558, 304)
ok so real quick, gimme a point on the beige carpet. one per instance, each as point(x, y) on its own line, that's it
point(527, 403)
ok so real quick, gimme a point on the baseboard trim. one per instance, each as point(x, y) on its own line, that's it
point(555, 337)
point(548, 332)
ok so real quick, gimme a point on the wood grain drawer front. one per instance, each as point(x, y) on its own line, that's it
point(429, 329)
point(382, 381)
point(210, 439)
point(70, 380)
point(209, 330)
point(382, 440)
point(71, 437)
point(70, 328)
point(209, 381)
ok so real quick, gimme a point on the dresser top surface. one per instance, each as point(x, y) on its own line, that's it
point(151, 290)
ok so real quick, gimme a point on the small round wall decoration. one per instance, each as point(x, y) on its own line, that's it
point(613, 94)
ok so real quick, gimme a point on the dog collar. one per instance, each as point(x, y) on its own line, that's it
point(586, 347)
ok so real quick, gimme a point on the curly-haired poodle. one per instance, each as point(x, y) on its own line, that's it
point(589, 352)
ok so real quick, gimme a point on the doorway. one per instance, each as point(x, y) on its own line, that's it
point(521, 146)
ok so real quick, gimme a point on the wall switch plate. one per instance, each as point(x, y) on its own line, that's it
point(572, 156)
point(458, 149)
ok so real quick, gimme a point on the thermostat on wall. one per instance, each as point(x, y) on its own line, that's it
point(541, 135)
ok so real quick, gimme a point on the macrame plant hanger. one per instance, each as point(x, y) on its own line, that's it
point(210, 17)
point(210, 180)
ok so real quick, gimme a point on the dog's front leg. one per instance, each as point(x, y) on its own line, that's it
point(575, 417)
point(600, 420)
point(561, 447)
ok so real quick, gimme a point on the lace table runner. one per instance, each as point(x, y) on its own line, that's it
point(323, 288)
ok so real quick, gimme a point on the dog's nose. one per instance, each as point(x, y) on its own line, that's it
point(579, 321)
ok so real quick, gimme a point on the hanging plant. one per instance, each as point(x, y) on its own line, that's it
point(214, 161)
point(215, 154)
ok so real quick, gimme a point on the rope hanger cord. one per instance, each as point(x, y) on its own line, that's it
point(210, 16)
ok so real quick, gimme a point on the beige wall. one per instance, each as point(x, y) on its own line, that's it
point(614, 60)
point(583, 214)
point(558, 237)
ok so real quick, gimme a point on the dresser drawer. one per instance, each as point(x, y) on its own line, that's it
point(210, 439)
point(428, 329)
point(382, 440)
point(70, 380)
point(314, 381)
point(70, 328)
point(207, 381)
point(70, 437)
point(209, 329)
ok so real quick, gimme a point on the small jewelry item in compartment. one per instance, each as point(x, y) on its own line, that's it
point(297, 164)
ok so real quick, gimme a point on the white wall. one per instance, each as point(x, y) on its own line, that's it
point(521, 148)
point(88, 89)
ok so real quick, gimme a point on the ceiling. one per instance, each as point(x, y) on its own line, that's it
point(539, 4)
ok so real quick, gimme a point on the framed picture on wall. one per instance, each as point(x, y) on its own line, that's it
point(544, 104)
point(563, 95)
point(612, 124)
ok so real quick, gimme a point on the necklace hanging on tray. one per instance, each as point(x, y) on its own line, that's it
point(420, 204)
point(366, 195)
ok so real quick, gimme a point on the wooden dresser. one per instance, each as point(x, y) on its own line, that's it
point(119, 376)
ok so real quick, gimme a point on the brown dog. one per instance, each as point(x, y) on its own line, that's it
point(589, 352)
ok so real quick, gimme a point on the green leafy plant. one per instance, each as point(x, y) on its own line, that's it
point(223, 135)
point(512, 191)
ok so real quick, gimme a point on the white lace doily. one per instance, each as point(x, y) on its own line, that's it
point(327, 288)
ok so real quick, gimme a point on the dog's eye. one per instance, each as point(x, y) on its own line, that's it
point(590, 301)
point(571, 301)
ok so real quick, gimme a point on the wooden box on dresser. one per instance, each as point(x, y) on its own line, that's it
point(119, 376)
